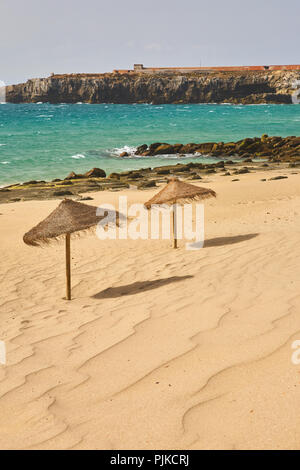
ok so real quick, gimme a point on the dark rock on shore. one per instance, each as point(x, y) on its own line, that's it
point(71, 176)
point(163, 171)
point(147, 184)
point(242, 171)
point(95, 173)
point(34, 182)
point(62, 193)
point(143, 179)
point(275, 178)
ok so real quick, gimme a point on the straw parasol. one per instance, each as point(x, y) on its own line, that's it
point(69, 217)
point(179, 192)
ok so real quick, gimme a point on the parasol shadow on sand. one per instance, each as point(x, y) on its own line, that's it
point(68, 218)
point(138, 287)
point(178, 192)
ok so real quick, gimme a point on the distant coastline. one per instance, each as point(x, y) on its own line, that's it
point(140, 68)
point(163, 86)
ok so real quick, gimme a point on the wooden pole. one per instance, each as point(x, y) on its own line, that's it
point(68, 265)
point(174, 227)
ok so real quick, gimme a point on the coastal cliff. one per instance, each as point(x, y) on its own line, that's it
point(246, 87)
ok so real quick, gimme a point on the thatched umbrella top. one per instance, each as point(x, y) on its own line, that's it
point(179, 192)
point(67, 218)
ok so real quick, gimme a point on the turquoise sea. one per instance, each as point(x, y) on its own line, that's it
point(44, 141)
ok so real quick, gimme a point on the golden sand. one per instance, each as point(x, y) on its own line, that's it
point(160, 348)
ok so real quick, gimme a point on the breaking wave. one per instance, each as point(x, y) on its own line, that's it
point(78, 156)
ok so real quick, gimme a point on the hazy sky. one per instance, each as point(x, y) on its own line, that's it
point(38, 37)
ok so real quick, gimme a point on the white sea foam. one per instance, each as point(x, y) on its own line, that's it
point(78, 156)
point(171, 156)
point(2, 145)
point(131, 154)
point(130, 150)
point(296, 94)
point(4, 163)
point(2, 92)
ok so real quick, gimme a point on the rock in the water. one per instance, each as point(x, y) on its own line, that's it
point(124, 154)
point(164, 149)
point(204, 148)
point(154, 146)
point(141, 149)
point(271, 148)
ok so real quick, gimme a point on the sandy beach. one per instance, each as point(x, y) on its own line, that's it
point(159, 348)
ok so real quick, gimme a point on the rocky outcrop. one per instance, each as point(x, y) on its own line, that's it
point(93, 173)
point(142, 179)
point(247, 87)
point(75, 185)
point(272, 148)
